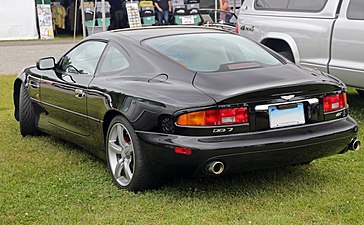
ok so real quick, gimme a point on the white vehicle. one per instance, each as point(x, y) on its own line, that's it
point(323, 34)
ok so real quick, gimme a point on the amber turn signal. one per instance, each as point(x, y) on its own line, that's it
point(215, 117)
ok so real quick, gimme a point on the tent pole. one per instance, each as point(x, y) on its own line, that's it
point(83, 20)
point(75, 22)
point(216, 11)
point(103, 15)
point(94, 18)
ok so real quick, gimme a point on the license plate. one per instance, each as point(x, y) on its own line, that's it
point(187, 20)
point(282, 116)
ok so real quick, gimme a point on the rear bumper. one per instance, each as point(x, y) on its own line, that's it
point(248, 151)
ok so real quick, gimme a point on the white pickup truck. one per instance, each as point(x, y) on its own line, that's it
point(323, 34)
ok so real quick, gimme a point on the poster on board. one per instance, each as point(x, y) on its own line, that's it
point(133, 14)
point(45, 21)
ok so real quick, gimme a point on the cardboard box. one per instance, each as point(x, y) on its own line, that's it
point(144, 4)
point(193, 6)
point(177, 2)
point(88, 5)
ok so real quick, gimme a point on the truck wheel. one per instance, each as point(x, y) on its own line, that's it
point(360, 92)
point(126, 160)
point(288, 55)
point(27, 116)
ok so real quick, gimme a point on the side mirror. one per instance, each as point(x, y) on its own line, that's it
point(47, 63)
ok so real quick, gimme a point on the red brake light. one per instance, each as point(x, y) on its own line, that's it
point(183, 151)
point(334, 102)
point(215, 117)
point(237, 28)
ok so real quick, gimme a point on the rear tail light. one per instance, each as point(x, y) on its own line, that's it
point(335, 102)
point(215, 117)
point(237, 28)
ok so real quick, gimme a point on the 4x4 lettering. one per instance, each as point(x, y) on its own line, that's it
point(247, 28)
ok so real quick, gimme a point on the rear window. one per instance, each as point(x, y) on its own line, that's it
point(356, 10)
point(291, 5)
point(211, 52)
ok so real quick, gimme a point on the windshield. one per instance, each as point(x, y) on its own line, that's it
point(209, 52)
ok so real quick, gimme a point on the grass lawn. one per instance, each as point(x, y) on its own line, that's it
point(44, 180)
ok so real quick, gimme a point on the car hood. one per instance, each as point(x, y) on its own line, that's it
point(264, 83)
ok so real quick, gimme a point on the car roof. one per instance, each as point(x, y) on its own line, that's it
point(140, 34)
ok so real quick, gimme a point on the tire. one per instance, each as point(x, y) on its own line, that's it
point(27, 115)
point(288, 55)
point(360, 92)
point(126, 161)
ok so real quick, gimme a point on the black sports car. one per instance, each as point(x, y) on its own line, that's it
point(163, 101)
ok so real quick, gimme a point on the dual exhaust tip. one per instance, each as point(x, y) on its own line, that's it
point(215, 167)
point(354, 145)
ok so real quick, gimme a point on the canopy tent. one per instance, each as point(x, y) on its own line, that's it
point(17, 20)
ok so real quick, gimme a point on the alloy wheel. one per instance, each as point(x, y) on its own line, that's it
point(121, 154)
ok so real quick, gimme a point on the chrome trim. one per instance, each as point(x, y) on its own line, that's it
point(311, 101)
point(287, 97)
point(337, 111)
point(217, 126)
point(67, 110)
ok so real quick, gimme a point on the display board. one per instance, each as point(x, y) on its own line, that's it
point(45, 21)
point(133, 14)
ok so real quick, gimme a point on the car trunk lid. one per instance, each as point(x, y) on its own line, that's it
point(263, 84)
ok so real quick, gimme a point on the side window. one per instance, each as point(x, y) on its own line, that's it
point(84, 58)
point(291, 5)
point(271, 4)
point(306, 5)
point(356, 10)
point(114, 60)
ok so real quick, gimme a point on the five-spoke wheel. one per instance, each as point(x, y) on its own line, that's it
point(121, 154)
point(126, 160)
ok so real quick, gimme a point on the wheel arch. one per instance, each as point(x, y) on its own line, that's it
point(108, 117)
point(279, 42)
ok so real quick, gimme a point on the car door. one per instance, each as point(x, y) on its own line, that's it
point(64, 92)
point(347, 59)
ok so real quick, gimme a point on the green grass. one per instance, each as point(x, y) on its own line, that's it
point(44, 180)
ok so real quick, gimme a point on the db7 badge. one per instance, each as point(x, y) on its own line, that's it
point(222, 130)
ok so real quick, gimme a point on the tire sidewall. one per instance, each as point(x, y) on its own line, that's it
point(27, 115)
point(21, 103)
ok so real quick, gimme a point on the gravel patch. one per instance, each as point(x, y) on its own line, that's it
point(14, 56)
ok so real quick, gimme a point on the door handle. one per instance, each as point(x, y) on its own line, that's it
point(79, 93)
point(33, 84)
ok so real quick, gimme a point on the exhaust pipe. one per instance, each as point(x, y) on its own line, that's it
point(354, 145)
point(215, 167)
